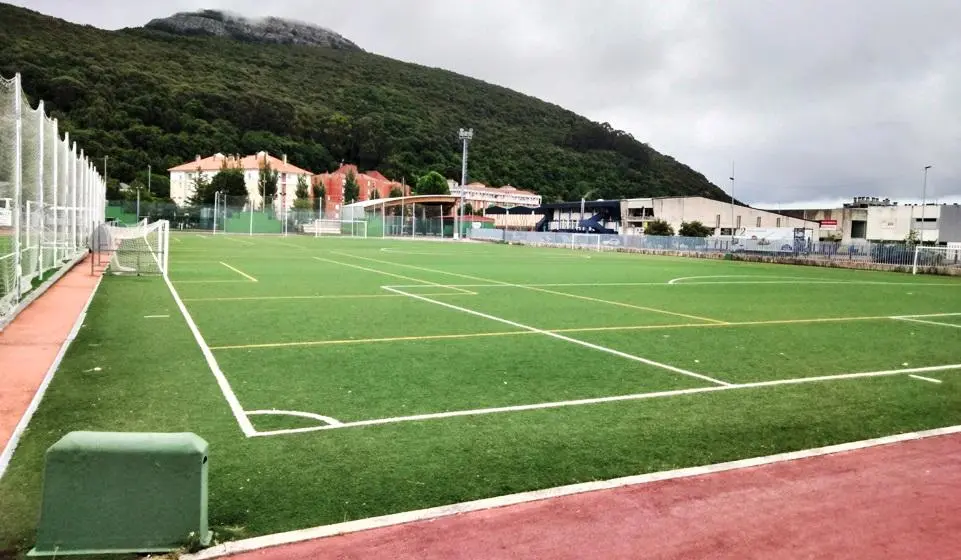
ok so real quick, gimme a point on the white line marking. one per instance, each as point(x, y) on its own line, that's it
point(629, 284)
point(301, 535)
point(565, 338)
point(938, 323)
point(240, 272)
point(229, 238)
point(402, 277)
point(528, 256)
point(679, 280)
point(928, 315)
point(211, 281)
point(156, 316)
point(273, 412)
point(21, 426)
point(228, 392)
point(925, 378)
point(633, 397)
point(542, 290)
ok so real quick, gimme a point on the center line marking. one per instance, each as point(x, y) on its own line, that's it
point(240, 272)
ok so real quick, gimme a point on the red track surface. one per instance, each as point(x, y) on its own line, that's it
point(29, 345)
point(893, 501)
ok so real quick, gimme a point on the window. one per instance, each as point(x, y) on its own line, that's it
point(778, 222)
point(758, 221)
point(738, 226)
point(717, 221)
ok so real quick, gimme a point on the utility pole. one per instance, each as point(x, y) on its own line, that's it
point(148, 179)
point(465, 136)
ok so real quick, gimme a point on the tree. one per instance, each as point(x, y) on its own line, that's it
point(302, 200)
point(202, 193)
point(319, 192)
point(432, 183)
point(267, 180)
point(374, 195)
point(396, 192)
point(658, 227)
point(694, 229)
point(912, 237)
point(351, 189)
point(468, 209)
point(230, 181)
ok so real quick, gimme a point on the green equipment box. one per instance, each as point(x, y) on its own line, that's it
point(109, 492)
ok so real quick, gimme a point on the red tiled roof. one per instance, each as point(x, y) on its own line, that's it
point(251, 162)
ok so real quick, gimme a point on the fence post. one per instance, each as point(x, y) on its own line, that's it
point(56, 182)
point(17, 187)
point(42, 120)
point(914, 267)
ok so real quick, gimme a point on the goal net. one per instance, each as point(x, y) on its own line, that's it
point(349, 228)
point(926, 258)
point(139, 249)
point(589, 241)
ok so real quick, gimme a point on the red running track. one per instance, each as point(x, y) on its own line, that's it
point(894, 501)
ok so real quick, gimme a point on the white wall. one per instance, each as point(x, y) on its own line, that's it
point(712, 213)
point(894, 223)
point(182, 183)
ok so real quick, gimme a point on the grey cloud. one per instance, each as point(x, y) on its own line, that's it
point(812, 100)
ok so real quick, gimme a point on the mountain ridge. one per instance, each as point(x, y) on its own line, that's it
point(276, 30)
point(150, 97)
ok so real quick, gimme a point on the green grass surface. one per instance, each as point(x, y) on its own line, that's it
point(318, 333)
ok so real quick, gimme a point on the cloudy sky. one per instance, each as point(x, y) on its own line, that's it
point(817, 100)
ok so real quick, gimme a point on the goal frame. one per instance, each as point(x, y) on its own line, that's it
point(358, 228)
point(596, 246)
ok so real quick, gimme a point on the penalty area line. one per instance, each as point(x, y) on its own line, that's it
point(616, 398)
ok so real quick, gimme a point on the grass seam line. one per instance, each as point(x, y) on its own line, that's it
point(611, 399)
point(366, 340)
point(569, 339)
point(7, 454)
point(922, 378)
point(240, 272)
point(938, 323)
point(347, 527)
point(238, 411)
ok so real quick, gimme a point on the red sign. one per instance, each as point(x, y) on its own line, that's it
point(829, 224)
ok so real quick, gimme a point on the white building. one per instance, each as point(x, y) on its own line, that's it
point(719, 216)
point(183, 177)
point(481, 196)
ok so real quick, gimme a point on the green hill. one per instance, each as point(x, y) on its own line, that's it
point(148, 97)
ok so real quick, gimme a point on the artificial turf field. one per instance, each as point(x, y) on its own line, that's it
point(359, 377)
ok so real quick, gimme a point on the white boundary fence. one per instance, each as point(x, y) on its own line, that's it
point(51, 197)
point(882, 256)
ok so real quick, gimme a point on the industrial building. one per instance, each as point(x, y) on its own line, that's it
point(874, 219)
point(630, 216)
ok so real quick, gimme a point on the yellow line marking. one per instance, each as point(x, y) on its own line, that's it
point(575, 296)
point(401, 276)
point(240, 272)
point(567, 330)
point(367, 340)
point(344, 296)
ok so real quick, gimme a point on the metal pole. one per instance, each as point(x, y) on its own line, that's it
point(924, 195)
point(138, 204)
point(732, 201)
point(56, 181)
point(383, 219)
point(40, 189)
point(465, 136)
point(149, 173)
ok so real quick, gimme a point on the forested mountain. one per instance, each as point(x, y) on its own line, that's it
point(152, 97)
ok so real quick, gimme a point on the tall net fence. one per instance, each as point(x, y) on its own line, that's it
point(51, 198)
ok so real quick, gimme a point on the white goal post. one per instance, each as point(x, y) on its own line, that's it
point(590, 241)
point(139, 250)
point(946, 257)
point(348, 228)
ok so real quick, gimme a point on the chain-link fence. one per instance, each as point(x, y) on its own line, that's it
point(905, 256)
point(51, 197)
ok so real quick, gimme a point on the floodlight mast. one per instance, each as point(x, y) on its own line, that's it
point(465, 136)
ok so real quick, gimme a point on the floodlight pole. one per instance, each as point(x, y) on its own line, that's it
point(732, 201)
point(924, 196)
point(465, 136)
